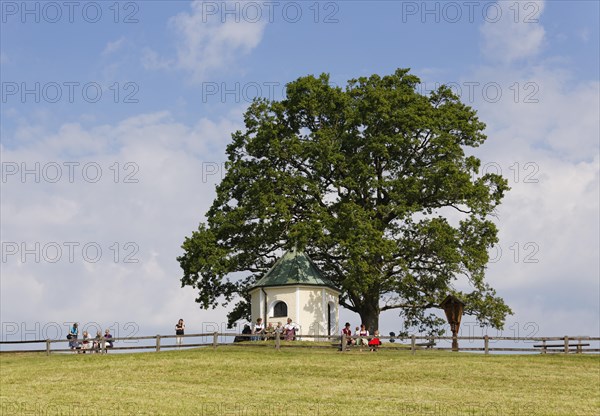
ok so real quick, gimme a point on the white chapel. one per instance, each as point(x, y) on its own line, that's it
point(295, 288)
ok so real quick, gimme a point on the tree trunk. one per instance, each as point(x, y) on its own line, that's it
point(369, 316)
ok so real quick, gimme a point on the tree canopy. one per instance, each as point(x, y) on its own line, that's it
point(373, 182)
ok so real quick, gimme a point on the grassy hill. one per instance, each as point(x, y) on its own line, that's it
point(252, 381)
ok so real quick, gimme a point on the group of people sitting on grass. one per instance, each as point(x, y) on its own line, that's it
point(361, 337)
point(87, 343)
point(259, 331)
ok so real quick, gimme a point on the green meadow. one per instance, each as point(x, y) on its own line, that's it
point(255, 380)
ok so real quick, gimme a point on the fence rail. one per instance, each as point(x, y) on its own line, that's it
point(565, 344)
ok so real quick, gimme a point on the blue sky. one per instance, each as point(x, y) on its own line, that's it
point(146, 153)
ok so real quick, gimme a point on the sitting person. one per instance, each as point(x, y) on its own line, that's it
point(348, 333)
point(363, 335)
point(375, 342)
point(289, 330)
point(259, 329)
point(279, 329)
point(97, 342)
point(270, 331)
point(108, 340)
point(246, 331)
point(87, 342)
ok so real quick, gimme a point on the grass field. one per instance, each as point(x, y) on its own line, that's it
point(261, 381)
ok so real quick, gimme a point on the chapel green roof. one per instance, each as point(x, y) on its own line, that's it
point(294, 268)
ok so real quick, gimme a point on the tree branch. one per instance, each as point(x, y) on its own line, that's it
point(407, 306)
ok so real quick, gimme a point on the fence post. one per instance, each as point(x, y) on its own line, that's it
point(486, 346)
point(413, 346)
point(215, 340)
point(343, 341)
point(158, 343)
point(103, 345)
point(566, 344)
point(47, 347)
point(277, 341)
point(544, 346)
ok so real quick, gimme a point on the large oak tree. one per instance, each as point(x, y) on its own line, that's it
point(374, 182)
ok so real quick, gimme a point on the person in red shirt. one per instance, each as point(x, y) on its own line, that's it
point(375, 342)
point(348, 332)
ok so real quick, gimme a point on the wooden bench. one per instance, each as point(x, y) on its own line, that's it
point(577, 348)
point(428, 344)
point(339, 345)
point(346, 347)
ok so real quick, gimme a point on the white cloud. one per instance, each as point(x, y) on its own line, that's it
point(153, 214)
point(558, 135)
point(152, 61)
point(543, 128)
point(516, 35)
point(114, 46)
point(584, 34)
point(541, 110)
point(206, 44)
point(543, 136)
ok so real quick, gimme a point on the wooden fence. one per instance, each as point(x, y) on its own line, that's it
point(566, 344)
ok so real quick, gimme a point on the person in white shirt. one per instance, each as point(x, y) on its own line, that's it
point(259, 329)
point(87, 342)
point(363, 333)
point(289, 330)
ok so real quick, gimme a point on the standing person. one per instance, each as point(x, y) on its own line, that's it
point(179, 330)
point(73, 334)
point(289, 330)
point(259, 329)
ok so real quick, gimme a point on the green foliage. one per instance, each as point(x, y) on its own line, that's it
point(372, 181)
